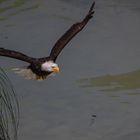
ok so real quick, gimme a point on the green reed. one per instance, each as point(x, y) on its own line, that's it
point(9, 109)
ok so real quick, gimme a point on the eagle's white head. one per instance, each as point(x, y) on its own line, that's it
point(50, 66)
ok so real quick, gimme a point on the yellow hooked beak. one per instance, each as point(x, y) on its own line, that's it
point(56, 69)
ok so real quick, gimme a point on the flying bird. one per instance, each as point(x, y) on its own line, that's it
point(40, 68)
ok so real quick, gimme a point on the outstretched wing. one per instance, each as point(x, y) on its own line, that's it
point(74, 29)
point(16, 55)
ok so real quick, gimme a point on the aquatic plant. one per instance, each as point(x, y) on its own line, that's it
point(9, 109)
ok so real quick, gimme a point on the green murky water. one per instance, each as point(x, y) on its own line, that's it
point(15, 7)
point(124, 81)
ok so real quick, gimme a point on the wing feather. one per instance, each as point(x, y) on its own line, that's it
point(69, 34)
point(16, 55)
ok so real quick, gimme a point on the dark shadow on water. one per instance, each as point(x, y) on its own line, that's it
point(9, 109)
point(124, 81)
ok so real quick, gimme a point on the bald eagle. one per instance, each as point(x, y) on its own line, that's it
point(40, 68)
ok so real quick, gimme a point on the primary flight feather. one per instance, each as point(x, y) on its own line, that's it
point(40, 68)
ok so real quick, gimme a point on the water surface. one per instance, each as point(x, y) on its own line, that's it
point(99, 69)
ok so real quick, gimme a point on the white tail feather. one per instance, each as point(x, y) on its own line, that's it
point(25, 72)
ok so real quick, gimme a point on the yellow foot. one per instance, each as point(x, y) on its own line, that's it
point(38, 77)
